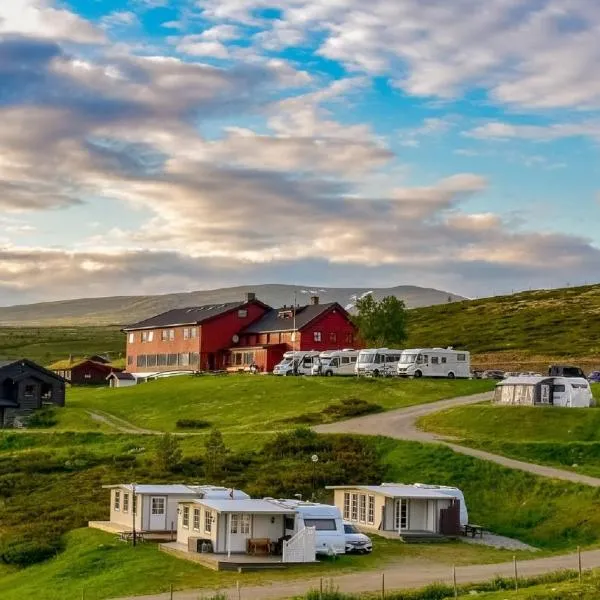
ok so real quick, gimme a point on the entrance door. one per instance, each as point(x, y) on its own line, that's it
point(239, 532)
point(211, 361)
point(401, 515)
point(158, 513)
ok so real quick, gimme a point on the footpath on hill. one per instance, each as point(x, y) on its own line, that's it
point(401, 425)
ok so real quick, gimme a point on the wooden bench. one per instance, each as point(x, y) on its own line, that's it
point(258, 546)
point(127, 536)
point(473, 530)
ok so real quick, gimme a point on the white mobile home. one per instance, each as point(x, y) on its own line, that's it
point(155, 506)
point(375, 362)
point(434, 362)
point(407, 510)
point(570, 392)
point(336, 362)
point(228, 525)
point(325, 518)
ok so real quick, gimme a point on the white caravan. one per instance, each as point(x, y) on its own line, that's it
point(375, 362)
point(449, 491)
point(325, 518)
point(335, 362)
point(435, 362)
point(296, 362)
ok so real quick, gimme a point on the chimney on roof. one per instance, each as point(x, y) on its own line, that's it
point(250, 296)
point(314, 300)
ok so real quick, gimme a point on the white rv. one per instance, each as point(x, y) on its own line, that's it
point(335, 362)
point(325, 518)
point(376, 362)
point(452, 492)
point(298, 362)
point(434, 362)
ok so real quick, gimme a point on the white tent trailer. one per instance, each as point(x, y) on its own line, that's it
point(376, 362)
point(155, 506)
point(335, 362)
point(325, 518)
point(570, 392)
point(408, 510)
point(296, 363)
point(435, 362)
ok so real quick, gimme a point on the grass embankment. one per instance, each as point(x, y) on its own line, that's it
point(563, 437)
point(528, 329)
point(46, 345)
point(239, 403)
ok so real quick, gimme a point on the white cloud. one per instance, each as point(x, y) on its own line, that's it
point(119, 18)
point(498, 130)
point(42, 18)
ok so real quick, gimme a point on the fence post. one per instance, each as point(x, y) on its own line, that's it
point(239, 589)
point(83, 593)
point(579, 563)
point(516, 573)
point(383, 586)
point(321, 589)
point(454, 581)
point(171, 591)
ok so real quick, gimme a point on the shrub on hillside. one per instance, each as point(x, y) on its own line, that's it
point(351, 407)
point(24, 553)
point(43, 418)
point(193, 424)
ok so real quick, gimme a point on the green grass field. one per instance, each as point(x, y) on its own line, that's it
point(239, 403)
point(561, 437)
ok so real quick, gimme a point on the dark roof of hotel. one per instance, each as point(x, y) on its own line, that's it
point(271, 321)
point(192, 315)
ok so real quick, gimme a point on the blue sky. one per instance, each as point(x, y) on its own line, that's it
point(161, 145)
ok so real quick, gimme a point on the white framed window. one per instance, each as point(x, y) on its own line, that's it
point(87, 375)
point(347, 506)
point(207, 521)
point(125, 502)
point(131, 338)
point(164, 335)
point(196, 519)
point(401, 514)
point(362, 508)
point(185, 517)
point(158, 506)
point(317, 336)
point(242, 313)
point(117, 504)
point(354, 507)
point(245, 524)
point(171, 335)
point(371, 510)
point(235, 523)
point(461, 357)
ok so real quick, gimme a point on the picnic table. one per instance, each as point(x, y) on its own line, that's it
point(258, 546)
point(127, 536)
point(473, 530)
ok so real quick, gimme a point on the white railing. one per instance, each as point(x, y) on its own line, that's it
point(302, 547)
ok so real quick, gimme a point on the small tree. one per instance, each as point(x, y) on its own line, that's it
point(168, 452)
point(215, 455)
point(382, 323)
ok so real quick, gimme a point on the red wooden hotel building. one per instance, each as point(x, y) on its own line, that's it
point(234, 335)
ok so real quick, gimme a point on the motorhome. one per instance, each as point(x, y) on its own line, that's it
point(376, 362)
point(570, 392)
point(298, 362)
point(335, 362)
point(325, 518)
point(434, 362)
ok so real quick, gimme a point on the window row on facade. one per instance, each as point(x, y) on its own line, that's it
point(209, 519)
point(124, 505)
point(359, 508)
point(183, 359)
point(166, 335)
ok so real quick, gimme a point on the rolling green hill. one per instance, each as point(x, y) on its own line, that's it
point(526, 329)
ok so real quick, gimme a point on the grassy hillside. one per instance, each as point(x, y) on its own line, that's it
point(249, 403)
point(46, 345)
point(556, 323)
point(563, 437)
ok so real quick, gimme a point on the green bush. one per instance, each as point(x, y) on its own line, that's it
point(43, 418)
point(351, 407)
point(193, 424)
point(24, 553)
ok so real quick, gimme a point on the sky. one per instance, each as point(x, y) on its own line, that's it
point(152, 146)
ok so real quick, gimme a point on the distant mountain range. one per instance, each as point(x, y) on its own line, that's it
point(121, 310)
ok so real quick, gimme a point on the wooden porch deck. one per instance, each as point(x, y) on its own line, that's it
point(221, 562)
point(117, 528)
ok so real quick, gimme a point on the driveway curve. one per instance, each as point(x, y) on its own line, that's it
point(401, 425)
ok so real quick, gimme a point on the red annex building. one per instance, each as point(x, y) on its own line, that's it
point(234, 336)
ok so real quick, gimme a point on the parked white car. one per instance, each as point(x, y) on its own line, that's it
point(355, 540)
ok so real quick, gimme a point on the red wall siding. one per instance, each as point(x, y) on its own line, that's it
point(333, 322)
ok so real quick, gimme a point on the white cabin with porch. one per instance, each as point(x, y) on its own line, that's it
point(406, 510)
